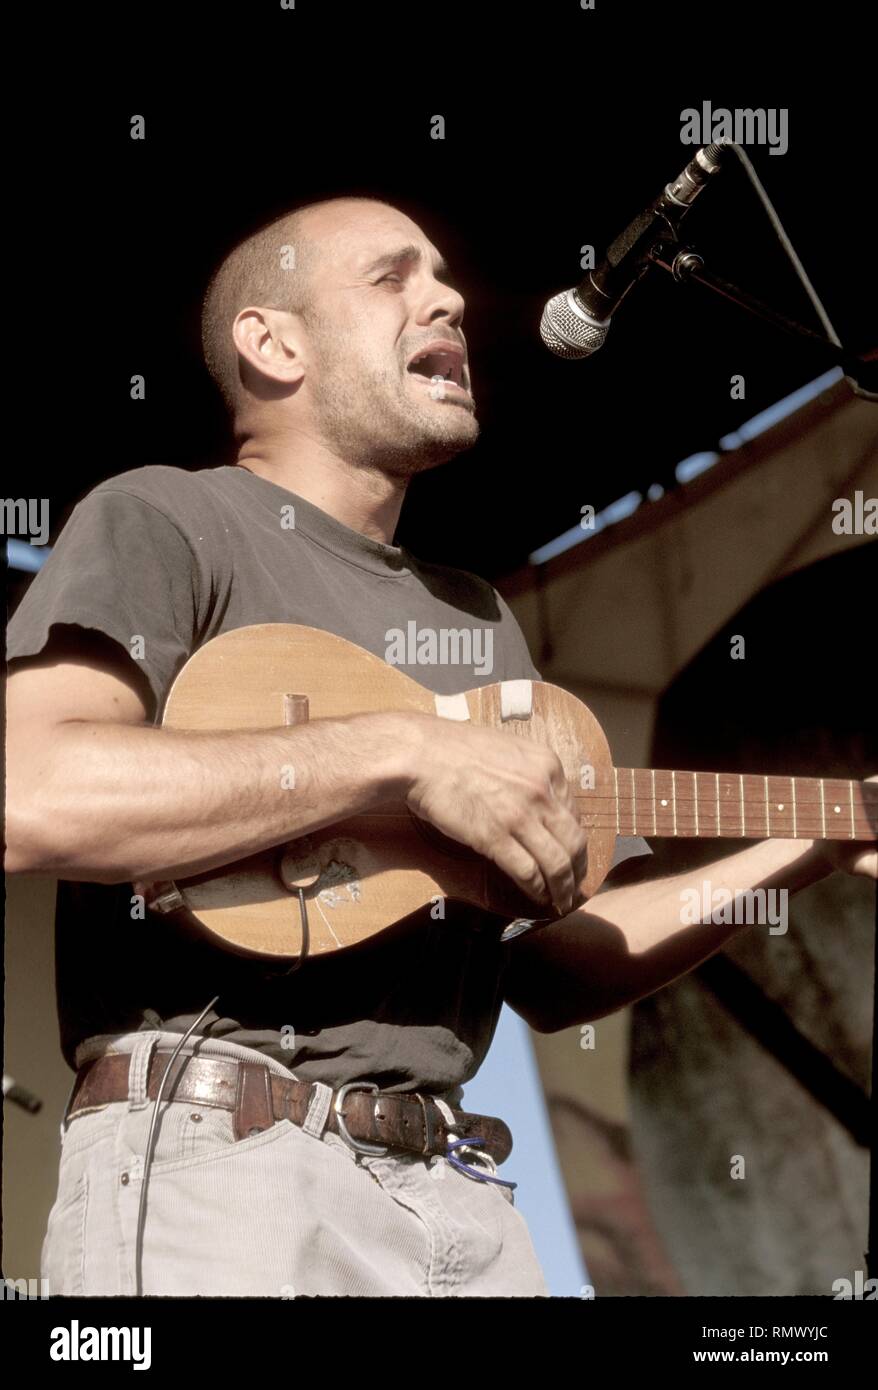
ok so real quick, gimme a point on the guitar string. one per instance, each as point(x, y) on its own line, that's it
point(805, 831)
point(867, 802)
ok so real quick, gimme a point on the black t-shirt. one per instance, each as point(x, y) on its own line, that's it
point(160, 561)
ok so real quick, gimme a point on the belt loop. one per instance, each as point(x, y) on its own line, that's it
point(254, 1109)
point(318, 1109)
point(65, 1118)
point(454, 1142)
point(447, 1114)
point(138, 1071)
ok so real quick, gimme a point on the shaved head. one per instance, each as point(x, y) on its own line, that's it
point(271, 270)
point(336, 328)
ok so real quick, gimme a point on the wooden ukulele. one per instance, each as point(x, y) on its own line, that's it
point(364, 874)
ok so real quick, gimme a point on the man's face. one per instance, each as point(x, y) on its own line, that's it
point(379, 300)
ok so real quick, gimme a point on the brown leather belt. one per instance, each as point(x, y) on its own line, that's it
point(359, 1113)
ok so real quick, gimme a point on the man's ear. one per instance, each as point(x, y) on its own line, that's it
point(270, 341)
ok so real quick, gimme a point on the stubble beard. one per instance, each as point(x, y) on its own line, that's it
point(371, 418)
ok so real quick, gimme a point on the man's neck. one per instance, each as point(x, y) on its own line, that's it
point(363, 499)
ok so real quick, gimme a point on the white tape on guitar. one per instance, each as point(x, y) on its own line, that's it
point(516, 702)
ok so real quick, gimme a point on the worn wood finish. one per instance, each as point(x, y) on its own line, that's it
point(364, 874)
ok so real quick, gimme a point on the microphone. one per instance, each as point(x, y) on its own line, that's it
point(26, 1099)
point(576, 322)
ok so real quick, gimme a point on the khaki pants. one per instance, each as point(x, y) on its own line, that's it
point(286, 1212)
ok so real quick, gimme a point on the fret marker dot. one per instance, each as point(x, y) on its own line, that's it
point(664, 803)
point(780, 806)
point(836, 809)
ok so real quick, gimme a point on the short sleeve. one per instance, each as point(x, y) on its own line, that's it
point(120, 567)
point(517, 661)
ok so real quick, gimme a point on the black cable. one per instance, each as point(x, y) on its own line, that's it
point(150, 1140)
point(150, 1143)
point(306, 935)
point(792, 257)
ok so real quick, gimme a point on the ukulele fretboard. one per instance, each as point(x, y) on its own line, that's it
point(733, 805)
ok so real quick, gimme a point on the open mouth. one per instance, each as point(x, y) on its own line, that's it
point(444, 361)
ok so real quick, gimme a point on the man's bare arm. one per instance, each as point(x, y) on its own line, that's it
point(631, 941)
point(95, 793)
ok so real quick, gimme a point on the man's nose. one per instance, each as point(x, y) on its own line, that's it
point(442, 302)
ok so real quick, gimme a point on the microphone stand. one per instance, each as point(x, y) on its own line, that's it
point(684, 263)
point(21, 1095)
point(871, 1254)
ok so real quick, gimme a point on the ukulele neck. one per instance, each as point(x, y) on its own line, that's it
point(731, 805)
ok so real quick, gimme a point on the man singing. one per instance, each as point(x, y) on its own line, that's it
point(337, 343)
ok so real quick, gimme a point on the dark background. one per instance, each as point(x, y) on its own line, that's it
point(560, 127)
point(542, 154)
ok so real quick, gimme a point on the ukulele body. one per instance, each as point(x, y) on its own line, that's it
point(364, 874)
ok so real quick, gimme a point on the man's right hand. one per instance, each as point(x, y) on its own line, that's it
point(506, 797)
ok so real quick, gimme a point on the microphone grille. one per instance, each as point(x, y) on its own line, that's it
point(568, 331)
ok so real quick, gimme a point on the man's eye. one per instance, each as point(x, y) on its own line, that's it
point(391, 276)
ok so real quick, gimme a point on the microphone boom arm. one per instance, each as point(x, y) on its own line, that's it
point(685, 263)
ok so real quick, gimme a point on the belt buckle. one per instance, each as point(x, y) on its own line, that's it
point(359, 1145)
